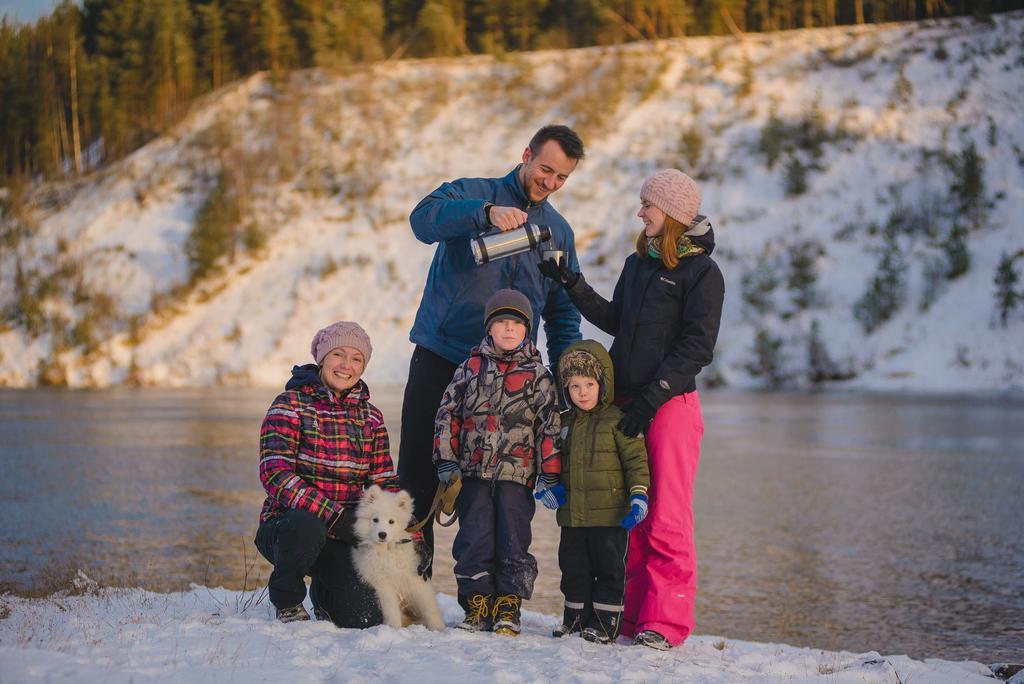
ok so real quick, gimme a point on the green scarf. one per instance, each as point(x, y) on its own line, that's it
point(684, 247)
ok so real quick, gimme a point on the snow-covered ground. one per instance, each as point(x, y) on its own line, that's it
point(216, 635)
point(328, 166)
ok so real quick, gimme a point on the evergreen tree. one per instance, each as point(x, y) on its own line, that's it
point(886, 291)
point(168, 69)
point(803, 272)
point(437, 31)
point(356, 31)
point(757, 284)
point(958, 256)
point(767, 361)
point(796, 177)
point(213, 235)
point(214, 62)
point(968, 169)
point(276, 48)
point(1007, 296)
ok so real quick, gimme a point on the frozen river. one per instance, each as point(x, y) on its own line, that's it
point(834, 521)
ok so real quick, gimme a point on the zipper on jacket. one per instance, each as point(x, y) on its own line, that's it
point(593, 439)
point(495, 457)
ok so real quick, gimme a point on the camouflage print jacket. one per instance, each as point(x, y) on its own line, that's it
point(498, 418)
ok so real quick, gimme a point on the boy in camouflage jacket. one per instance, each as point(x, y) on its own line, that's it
point(498, 430)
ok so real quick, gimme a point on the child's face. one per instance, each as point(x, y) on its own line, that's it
point(507, 334)
point(584, 391)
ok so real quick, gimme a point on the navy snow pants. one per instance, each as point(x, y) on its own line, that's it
point(492, 547)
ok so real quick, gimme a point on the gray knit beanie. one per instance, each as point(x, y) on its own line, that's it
point(674, 193)
point(340, 334)
point(505, 304)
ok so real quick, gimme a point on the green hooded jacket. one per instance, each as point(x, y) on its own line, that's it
point(601, 467)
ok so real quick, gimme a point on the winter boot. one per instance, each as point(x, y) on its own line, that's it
point(478, 613)
point(573, 620)
point(506, 614)
point(652, 639)
point(293, 614)
point(603, 626)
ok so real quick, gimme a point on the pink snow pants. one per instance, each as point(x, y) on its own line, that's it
point(661, 565)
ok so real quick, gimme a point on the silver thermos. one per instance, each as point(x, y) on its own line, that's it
point(497, 244)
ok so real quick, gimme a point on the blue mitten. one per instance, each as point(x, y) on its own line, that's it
point(448, 471)
point(637, 512)
point(550, 491)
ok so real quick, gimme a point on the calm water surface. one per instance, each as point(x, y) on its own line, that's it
point(839, 522)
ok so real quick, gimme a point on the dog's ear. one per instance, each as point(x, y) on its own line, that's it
point(372, 493)
point(405, 501)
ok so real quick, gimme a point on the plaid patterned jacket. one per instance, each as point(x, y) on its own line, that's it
point(318, 453)
point(498, 418)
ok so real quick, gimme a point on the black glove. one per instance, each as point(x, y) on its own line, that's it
point(559, 272)
point(637, 418)
point(425, 566)
point(344, 528)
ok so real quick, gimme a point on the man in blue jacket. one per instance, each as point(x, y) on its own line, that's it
point(450, 319)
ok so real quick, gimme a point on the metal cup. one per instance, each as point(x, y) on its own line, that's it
point(557, 254)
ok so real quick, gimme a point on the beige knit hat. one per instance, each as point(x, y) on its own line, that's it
point(674, 193)
point(579, 362)
point(340, 334)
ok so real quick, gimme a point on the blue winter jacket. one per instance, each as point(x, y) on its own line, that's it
point(450, 319)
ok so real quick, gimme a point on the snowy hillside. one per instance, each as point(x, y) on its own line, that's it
point(819, 152)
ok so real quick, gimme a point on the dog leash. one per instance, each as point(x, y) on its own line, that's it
point(444, 498)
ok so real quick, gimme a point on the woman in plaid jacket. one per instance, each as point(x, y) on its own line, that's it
point(322, 442)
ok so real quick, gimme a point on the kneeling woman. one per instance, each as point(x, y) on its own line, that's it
point(321, 444)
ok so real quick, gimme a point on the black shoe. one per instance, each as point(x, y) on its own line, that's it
point(573, 620)
point(603, 626)
point(506, 614)
point(478, 614)
point(652, 639)
point(596, 636)
point(294, 614)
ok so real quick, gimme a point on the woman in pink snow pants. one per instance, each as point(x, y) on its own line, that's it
point(664, 316)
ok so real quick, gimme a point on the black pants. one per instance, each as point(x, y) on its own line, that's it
point(593, 565)
point(429, 376)
point(296, 544)
point(492, 547)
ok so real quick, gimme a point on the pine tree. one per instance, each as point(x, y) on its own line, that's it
point(437, 30)
point(958, 256)
point(214, 63)
point(796, 177)
point(886, 291)
point(968, 169)
point(820, 365)
point(168, 70)
point(767, 361)
point(803, 271)
point(356, 32)
point(276, 47)
point(757, 284)
point(1007, 296)
point(213, 235)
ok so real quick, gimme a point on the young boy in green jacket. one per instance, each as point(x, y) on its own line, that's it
point(605, 477)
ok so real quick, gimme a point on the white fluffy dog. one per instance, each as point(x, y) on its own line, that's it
point(386, 559)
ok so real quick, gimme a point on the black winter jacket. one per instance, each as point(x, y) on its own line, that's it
point(665, 322)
